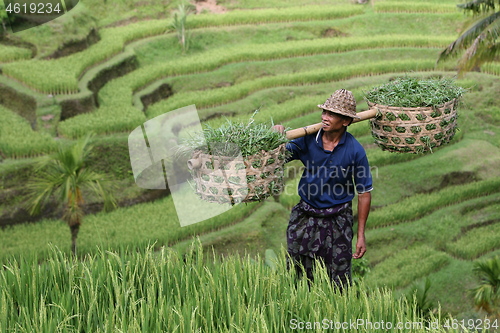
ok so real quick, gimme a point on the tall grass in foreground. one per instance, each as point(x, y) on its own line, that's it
point(163, 292)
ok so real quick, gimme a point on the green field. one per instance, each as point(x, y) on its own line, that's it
point(433, 215)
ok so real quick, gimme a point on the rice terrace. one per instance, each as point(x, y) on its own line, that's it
point(74, 88)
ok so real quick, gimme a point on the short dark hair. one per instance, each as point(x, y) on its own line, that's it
point(348, 118)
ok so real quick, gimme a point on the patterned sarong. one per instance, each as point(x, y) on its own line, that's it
point(324, 234)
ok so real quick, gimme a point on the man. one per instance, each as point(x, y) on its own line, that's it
point(336, 166)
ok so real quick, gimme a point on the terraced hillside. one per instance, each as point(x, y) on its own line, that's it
point(433, 215)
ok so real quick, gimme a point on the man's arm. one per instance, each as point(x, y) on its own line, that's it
point(364, 203)
point(295, 147)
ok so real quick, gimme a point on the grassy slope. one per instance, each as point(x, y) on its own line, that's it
point(399, 176)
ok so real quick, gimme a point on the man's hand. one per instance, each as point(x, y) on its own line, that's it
point(360, 248)
point(278, 128)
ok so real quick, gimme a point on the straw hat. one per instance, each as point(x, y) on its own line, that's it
point(342, 102)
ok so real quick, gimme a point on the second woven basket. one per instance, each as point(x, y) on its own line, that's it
point(413, 130)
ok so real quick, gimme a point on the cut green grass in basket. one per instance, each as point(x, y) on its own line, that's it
point(234, 137)
point(413, 92)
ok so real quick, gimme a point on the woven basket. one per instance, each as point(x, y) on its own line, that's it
point(224, 179)
point(413, 130)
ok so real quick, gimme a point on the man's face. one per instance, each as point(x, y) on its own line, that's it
point(333, 122)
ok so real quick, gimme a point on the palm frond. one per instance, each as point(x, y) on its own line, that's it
point(483, 25)
point(489, 271)
point(40, 191)
point(479, 6)
point(487, 293)
point(476, 57)
point(484, 48)
point(98, 185)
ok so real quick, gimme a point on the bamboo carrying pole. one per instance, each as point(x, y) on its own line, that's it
point(300, 132)
point(306, 130)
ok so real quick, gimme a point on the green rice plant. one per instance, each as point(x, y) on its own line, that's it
point(60, 76)
point(215, 97)
point(279, 113)
point(13, 53)
point(419, 205)
point(105, 120)
point(414, 7)
point(115, 115)
point(281, 4)
point(18, 140)
point(215, 58)
point(476, 242)
point(231, 73)
point(413, 92)
point(212, 59)
point(133, 227)
point(491, 68)
point(166, 292)
point(269, 15)
point(399, 270)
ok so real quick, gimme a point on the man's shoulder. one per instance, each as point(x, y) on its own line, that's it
point(351, 140)
point(304, 140)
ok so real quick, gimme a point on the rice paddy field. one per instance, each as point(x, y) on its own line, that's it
point(433, 215)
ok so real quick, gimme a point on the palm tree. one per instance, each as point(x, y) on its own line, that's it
point(65, 177)
point(487, 293)
point(479, 38)
point(180, 21)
